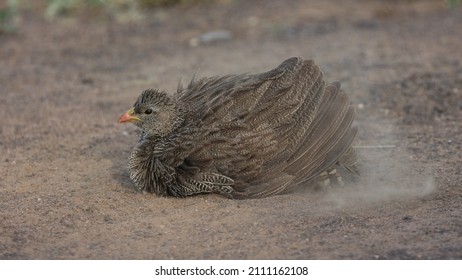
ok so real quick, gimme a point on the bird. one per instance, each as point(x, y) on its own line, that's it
point(244, 135)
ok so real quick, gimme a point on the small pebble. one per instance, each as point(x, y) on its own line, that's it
point(211, 37)
point(407, 218)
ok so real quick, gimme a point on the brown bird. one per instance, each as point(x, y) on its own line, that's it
point(242, 136)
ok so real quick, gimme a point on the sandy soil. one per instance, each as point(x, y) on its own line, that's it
point(64, 188)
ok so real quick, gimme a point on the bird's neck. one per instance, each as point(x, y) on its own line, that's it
point(144, 163)
point(153, 160)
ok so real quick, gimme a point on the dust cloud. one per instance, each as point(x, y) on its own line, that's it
point(388, 173)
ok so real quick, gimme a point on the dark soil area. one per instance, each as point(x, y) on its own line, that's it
point(64, 187)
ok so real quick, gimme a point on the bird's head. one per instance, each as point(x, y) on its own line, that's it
point(154, 112)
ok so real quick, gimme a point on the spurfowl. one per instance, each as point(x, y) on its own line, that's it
point(242, 136)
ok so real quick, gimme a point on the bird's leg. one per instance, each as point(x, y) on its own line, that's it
point(330, 177)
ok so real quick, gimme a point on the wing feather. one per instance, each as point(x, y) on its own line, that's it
point(270, 130)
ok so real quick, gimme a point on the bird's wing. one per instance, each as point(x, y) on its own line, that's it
point(272, 129)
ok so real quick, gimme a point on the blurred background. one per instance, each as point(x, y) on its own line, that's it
point(69, 68)
point(136, 10)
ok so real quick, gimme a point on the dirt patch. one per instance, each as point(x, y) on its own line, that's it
point(65, 191)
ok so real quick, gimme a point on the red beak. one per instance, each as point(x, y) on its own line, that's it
point(128, 117)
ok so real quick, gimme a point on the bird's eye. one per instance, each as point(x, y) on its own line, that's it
point(148, 111)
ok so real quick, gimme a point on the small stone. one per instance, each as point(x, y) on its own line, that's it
point(87, 81)
point(211, 37)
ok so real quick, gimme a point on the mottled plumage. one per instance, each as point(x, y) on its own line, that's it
point(242, 136)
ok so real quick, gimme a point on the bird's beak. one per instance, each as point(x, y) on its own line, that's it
point(128, 117)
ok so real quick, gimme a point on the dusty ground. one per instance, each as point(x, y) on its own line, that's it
point(65, 191)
